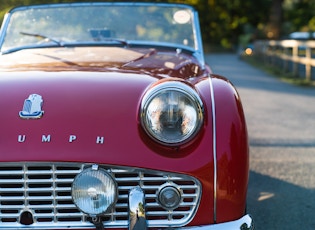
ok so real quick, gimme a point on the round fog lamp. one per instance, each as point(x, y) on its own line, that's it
point(169, 197)
point(94, 191)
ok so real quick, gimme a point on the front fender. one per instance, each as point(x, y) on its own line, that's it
point(232, 151)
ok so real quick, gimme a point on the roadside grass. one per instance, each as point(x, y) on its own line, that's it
point(276, 72)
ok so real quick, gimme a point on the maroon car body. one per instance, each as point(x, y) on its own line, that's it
point(71, 107)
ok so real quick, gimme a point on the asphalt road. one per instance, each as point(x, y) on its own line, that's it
point(281, 126)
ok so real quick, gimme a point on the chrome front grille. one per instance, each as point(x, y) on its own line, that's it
point(38, 195)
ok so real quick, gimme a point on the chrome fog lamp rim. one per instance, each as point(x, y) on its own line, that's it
point(169, 196)
point(172, 113)
point(94, 191)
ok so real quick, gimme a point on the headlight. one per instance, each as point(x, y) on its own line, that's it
point(171, 113)
point(94, 191)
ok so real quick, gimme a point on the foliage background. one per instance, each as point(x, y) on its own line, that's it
point(229, 23)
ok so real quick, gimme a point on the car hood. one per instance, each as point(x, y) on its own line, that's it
point(89, 116)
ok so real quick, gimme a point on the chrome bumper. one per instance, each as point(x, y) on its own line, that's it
point(137, 218)
point(244, 223)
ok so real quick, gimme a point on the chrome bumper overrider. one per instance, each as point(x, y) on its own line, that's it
point(137, 218)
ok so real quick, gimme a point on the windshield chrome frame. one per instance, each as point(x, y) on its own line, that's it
point(197, 52)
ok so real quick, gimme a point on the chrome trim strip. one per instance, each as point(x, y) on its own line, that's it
point(3, 28)
point(137, 218)
point(199, 49)
point(214, 151)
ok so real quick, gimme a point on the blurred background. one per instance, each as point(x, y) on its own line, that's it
point(227, 24)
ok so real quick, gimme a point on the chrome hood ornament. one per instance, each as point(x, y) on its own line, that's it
point(32, 108)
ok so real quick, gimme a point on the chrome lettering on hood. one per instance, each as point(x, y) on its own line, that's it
point(46, 138)
point(32, 108)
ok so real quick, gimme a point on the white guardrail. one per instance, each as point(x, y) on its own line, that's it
point(290, 56)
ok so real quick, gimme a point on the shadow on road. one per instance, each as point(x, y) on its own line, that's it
point(276, 204)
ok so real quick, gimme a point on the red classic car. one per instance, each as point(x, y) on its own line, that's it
point(110, 118)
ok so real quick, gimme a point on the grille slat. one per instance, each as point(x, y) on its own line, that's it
point(12, 207)
point(19, 207)
point(44, 191)
point(11, 181)
point(11, 198)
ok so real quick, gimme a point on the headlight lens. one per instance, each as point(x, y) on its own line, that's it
point(94, 191)
point(172, 113)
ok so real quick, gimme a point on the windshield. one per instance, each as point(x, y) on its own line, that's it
point(99, 23)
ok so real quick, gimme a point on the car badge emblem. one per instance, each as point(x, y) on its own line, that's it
point(32, 108)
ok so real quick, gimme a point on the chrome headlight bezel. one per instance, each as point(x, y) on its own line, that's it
point(166, 99)
point(169, 196)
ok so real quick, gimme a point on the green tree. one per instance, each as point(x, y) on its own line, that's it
point(223, 21)
point(300, 15)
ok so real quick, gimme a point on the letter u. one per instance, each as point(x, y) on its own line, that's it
point(21, 138)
